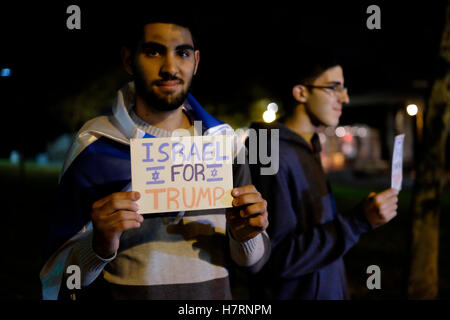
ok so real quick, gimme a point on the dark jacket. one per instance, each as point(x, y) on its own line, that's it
point(308, 236)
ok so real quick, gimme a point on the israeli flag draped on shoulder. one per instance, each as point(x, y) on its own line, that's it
point(98, 164)
point(120, 127)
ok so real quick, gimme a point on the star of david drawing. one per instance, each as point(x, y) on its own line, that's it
point(155, 175)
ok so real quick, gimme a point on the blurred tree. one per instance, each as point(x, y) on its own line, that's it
point(430, 179)
point(95, 98)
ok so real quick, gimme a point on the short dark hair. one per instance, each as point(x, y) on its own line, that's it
point(315, 62)
point(313, 67)
point(136, 17)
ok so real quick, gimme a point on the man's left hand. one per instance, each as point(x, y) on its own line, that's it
point(248, 217)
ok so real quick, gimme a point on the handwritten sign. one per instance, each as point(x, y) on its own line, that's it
point(397, 163)
point(182, 173)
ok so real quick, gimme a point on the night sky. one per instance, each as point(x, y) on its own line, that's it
point(241, 46)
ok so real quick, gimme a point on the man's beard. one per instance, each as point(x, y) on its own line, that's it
point(153, 100)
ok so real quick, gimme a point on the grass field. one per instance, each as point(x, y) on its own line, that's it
point(29, 200)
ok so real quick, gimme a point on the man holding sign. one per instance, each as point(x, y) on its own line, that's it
point(194, 222)
point(309, 237)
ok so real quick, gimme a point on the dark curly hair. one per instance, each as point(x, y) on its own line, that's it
point(135, 17)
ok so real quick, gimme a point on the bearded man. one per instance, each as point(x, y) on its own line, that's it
point(181, 255)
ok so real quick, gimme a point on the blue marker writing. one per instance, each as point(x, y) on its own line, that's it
point(147, 145)
point(163, 145)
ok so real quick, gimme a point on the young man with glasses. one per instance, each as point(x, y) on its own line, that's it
point(309, 237)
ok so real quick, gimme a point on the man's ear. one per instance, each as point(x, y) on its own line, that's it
point(300, 93)
point(197, 60)
point(125, 54)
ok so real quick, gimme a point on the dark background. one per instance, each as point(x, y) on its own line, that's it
point(244, 49)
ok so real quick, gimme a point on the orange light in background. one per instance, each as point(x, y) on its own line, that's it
point(338, 160)
point(325, 161)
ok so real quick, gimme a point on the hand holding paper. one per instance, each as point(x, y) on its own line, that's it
point(248, 217)
point(111, 216)
point(380, 208)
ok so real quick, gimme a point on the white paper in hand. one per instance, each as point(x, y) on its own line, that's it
point(397, 163)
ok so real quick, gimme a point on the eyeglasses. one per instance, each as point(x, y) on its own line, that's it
point(334, 90)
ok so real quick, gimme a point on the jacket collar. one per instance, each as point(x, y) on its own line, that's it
point(126, 99)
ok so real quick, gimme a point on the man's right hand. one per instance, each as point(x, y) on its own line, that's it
point(380, 208)
point(110, 217)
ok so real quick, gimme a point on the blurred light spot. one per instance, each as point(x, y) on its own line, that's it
point(6, 72)
point(272, 107)
point(354, 130)
point(14, 157)
point(269, 116)
point(362, 132)
point(340, 132)
point(348, 149)
point(412, 109)
point(338, 160)
point(42, 159)
point(322, 138)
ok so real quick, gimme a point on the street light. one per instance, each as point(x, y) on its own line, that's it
point(271, 113)
point(412, 109)
point(269, 116)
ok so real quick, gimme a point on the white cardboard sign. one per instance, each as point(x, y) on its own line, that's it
point(182, 173)
point(397, 163)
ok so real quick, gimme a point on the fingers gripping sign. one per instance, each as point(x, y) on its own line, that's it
point(248, 216)
point(110, 217)
point(381, 207)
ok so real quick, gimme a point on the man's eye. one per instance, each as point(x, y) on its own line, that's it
point(151, 53)
point(184, 53)
point(337, 88)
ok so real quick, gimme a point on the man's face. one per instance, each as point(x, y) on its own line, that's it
point(325, 105)
point(164, 65)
